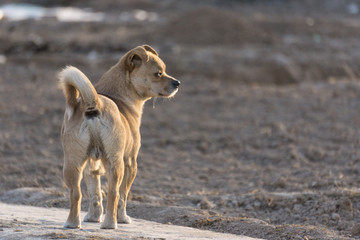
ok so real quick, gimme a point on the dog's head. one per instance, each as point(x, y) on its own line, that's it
point(147, 73)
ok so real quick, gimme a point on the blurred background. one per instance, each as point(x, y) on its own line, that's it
point(262, 138)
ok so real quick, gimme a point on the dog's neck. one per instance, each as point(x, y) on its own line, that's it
point(115, 85)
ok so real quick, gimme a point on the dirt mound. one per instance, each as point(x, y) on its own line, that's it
point(208, 26)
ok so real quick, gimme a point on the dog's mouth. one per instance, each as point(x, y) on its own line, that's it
point(168, 95)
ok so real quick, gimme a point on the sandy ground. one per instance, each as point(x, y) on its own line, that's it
point(24, 222)
point(262, 139)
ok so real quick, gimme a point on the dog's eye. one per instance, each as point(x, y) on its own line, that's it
point(158, 74)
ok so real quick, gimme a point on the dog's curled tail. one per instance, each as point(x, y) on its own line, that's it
point(73, 81)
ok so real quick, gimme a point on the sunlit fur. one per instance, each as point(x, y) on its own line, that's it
point(100, 132)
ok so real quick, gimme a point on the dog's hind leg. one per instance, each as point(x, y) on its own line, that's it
point(115, 175)
point(72, 178)
point(92, 179)
point(129, 176)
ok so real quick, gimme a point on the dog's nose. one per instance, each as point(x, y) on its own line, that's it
point(176, 83)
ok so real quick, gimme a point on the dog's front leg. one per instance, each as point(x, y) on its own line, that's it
point(72, 178)
point(115, 176)
point(129, 176)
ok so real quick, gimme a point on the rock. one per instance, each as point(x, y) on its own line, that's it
point(335, 216)
point(206, 204)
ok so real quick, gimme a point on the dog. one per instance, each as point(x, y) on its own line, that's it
point(101, 131)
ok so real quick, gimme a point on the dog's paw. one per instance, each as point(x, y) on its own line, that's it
point(92, 218)
point(124, 219)
point(72, 225)
point(111, 225)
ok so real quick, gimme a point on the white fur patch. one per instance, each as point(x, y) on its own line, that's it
point(69, 112)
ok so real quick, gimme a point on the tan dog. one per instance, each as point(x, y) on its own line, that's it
point(100, 132)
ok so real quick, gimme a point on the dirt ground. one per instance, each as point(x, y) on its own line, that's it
point(28, 222)
point(261, 140)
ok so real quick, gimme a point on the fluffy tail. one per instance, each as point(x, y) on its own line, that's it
point(73, 82)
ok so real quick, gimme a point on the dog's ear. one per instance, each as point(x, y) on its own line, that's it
point(150, 49)
point(134, 58)
point(134, 61)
